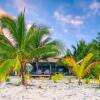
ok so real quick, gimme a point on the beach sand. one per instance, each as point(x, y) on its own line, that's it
point(48, 90)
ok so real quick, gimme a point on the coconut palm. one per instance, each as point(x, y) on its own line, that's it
point(81, 50)
point(14, 55)
point(68, 52)
point(27, 44)
point(80, 69)
point(42, 46)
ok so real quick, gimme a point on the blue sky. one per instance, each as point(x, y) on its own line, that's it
point(69, 20)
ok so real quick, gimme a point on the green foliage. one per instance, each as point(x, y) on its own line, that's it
point(57, 77)
point(26, 45)
point(81, 69)
point(8, 79)
point(8, 65)
point(42, 78)
point(96, 71)
point(87, 81)
point(80, 50)
point(68, 52)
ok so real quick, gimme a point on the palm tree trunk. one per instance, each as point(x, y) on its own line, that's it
point(22, 70)
point(37, 65)
point(79, 82)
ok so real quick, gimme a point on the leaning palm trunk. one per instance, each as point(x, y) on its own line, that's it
point(79, 82)
point(22, 71)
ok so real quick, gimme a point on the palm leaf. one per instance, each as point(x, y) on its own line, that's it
point(89, 67)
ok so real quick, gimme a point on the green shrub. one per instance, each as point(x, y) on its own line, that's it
point(42, 78)
point(87, 81)
point(57, 77)
point(8, 79)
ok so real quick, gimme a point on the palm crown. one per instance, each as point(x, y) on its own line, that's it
point(27, 45)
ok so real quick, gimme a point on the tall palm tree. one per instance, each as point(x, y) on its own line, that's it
point(14, 56)
point(27, 45)
point(42, 46)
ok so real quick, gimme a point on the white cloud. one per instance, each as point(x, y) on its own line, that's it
point(30, 9)
point(51, 30)
point(65, 30)
point(95, 7)
point(68, 19)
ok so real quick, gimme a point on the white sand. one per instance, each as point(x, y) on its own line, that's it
point(47, 90)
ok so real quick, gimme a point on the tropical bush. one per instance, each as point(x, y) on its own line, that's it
point(81, 69)
point(57, 77)
point(42, 78)
point(8, 79)
point(87, 80)
point(96, 72)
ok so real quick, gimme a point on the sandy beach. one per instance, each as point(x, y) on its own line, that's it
point(48, 90)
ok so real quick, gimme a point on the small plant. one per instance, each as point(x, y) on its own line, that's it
point(98, 81)
point(57, 77)
point(8, 79)
point(87, 81)
point(28, 77)
point(42, 78)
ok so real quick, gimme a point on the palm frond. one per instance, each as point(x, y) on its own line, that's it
point(89, 67)
point(9, 23)
point(21, 29)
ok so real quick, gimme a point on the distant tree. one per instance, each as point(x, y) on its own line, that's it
point(95, 48)
point(68, 52)
point(80, 50)
point(98, 38)
point(43, 47)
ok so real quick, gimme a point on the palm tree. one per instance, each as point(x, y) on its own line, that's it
point(28, 44)
point(80, 69)
point(68, 52)
point(42, 46)
point(14, 56)
point(95, 48)
point(81, 50)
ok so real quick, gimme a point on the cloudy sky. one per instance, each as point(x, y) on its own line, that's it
point(69, 20)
